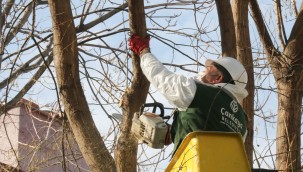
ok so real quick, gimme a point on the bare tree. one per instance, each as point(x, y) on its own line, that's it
point(244, 55)
point(286, 66)
point(133, 99)
point(235, 42)
point(184, 34)
point(227, 28)
point(71, 93)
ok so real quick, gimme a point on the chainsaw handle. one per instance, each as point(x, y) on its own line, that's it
point(154, 105)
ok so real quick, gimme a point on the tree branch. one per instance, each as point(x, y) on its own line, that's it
point(280, 24)
point(226, 21)
point(27, 86)
point(263, 32)
point(134, 96)
point(14, 30)
point(26, 67)
point(293, 49)
point(294, 6)
point(297, 30)
point(101, 19)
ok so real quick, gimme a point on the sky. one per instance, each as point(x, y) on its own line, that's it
point(164, 53)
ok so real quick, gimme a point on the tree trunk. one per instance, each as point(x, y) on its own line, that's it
point(288, 73)
point(290, 101)
point(244, 55)
point(67, 70)
point(235, 42)
point(288, 129)
point(134, 97)
point(227, 28)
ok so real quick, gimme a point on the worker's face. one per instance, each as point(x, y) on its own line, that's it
point(212, 75)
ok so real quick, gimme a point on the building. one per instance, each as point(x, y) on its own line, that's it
point(35, 140)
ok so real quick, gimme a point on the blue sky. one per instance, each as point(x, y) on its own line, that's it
point(265, 98)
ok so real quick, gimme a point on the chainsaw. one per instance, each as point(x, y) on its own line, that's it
point(148, 127)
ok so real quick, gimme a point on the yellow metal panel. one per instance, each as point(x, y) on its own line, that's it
point(210, 152)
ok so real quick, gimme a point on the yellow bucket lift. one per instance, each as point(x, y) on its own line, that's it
point(210, 152)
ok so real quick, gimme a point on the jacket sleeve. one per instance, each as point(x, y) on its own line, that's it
point(177, 89)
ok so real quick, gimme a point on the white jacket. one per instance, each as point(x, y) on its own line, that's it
point(178, 89)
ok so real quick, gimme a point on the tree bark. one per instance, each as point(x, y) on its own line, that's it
point(288, 129)
point(134, 96)
point(244, 55)
point(227, 28)
point(235, 42)
point(87, 136)
point(290, 101)
point(288, 73)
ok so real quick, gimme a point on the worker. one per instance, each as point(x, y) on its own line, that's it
point(209, 102)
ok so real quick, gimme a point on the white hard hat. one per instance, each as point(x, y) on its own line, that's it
point(235, 69)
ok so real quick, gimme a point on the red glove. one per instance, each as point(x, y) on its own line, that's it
point(137, 44)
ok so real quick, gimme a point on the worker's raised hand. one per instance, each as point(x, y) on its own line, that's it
point(137, 44)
